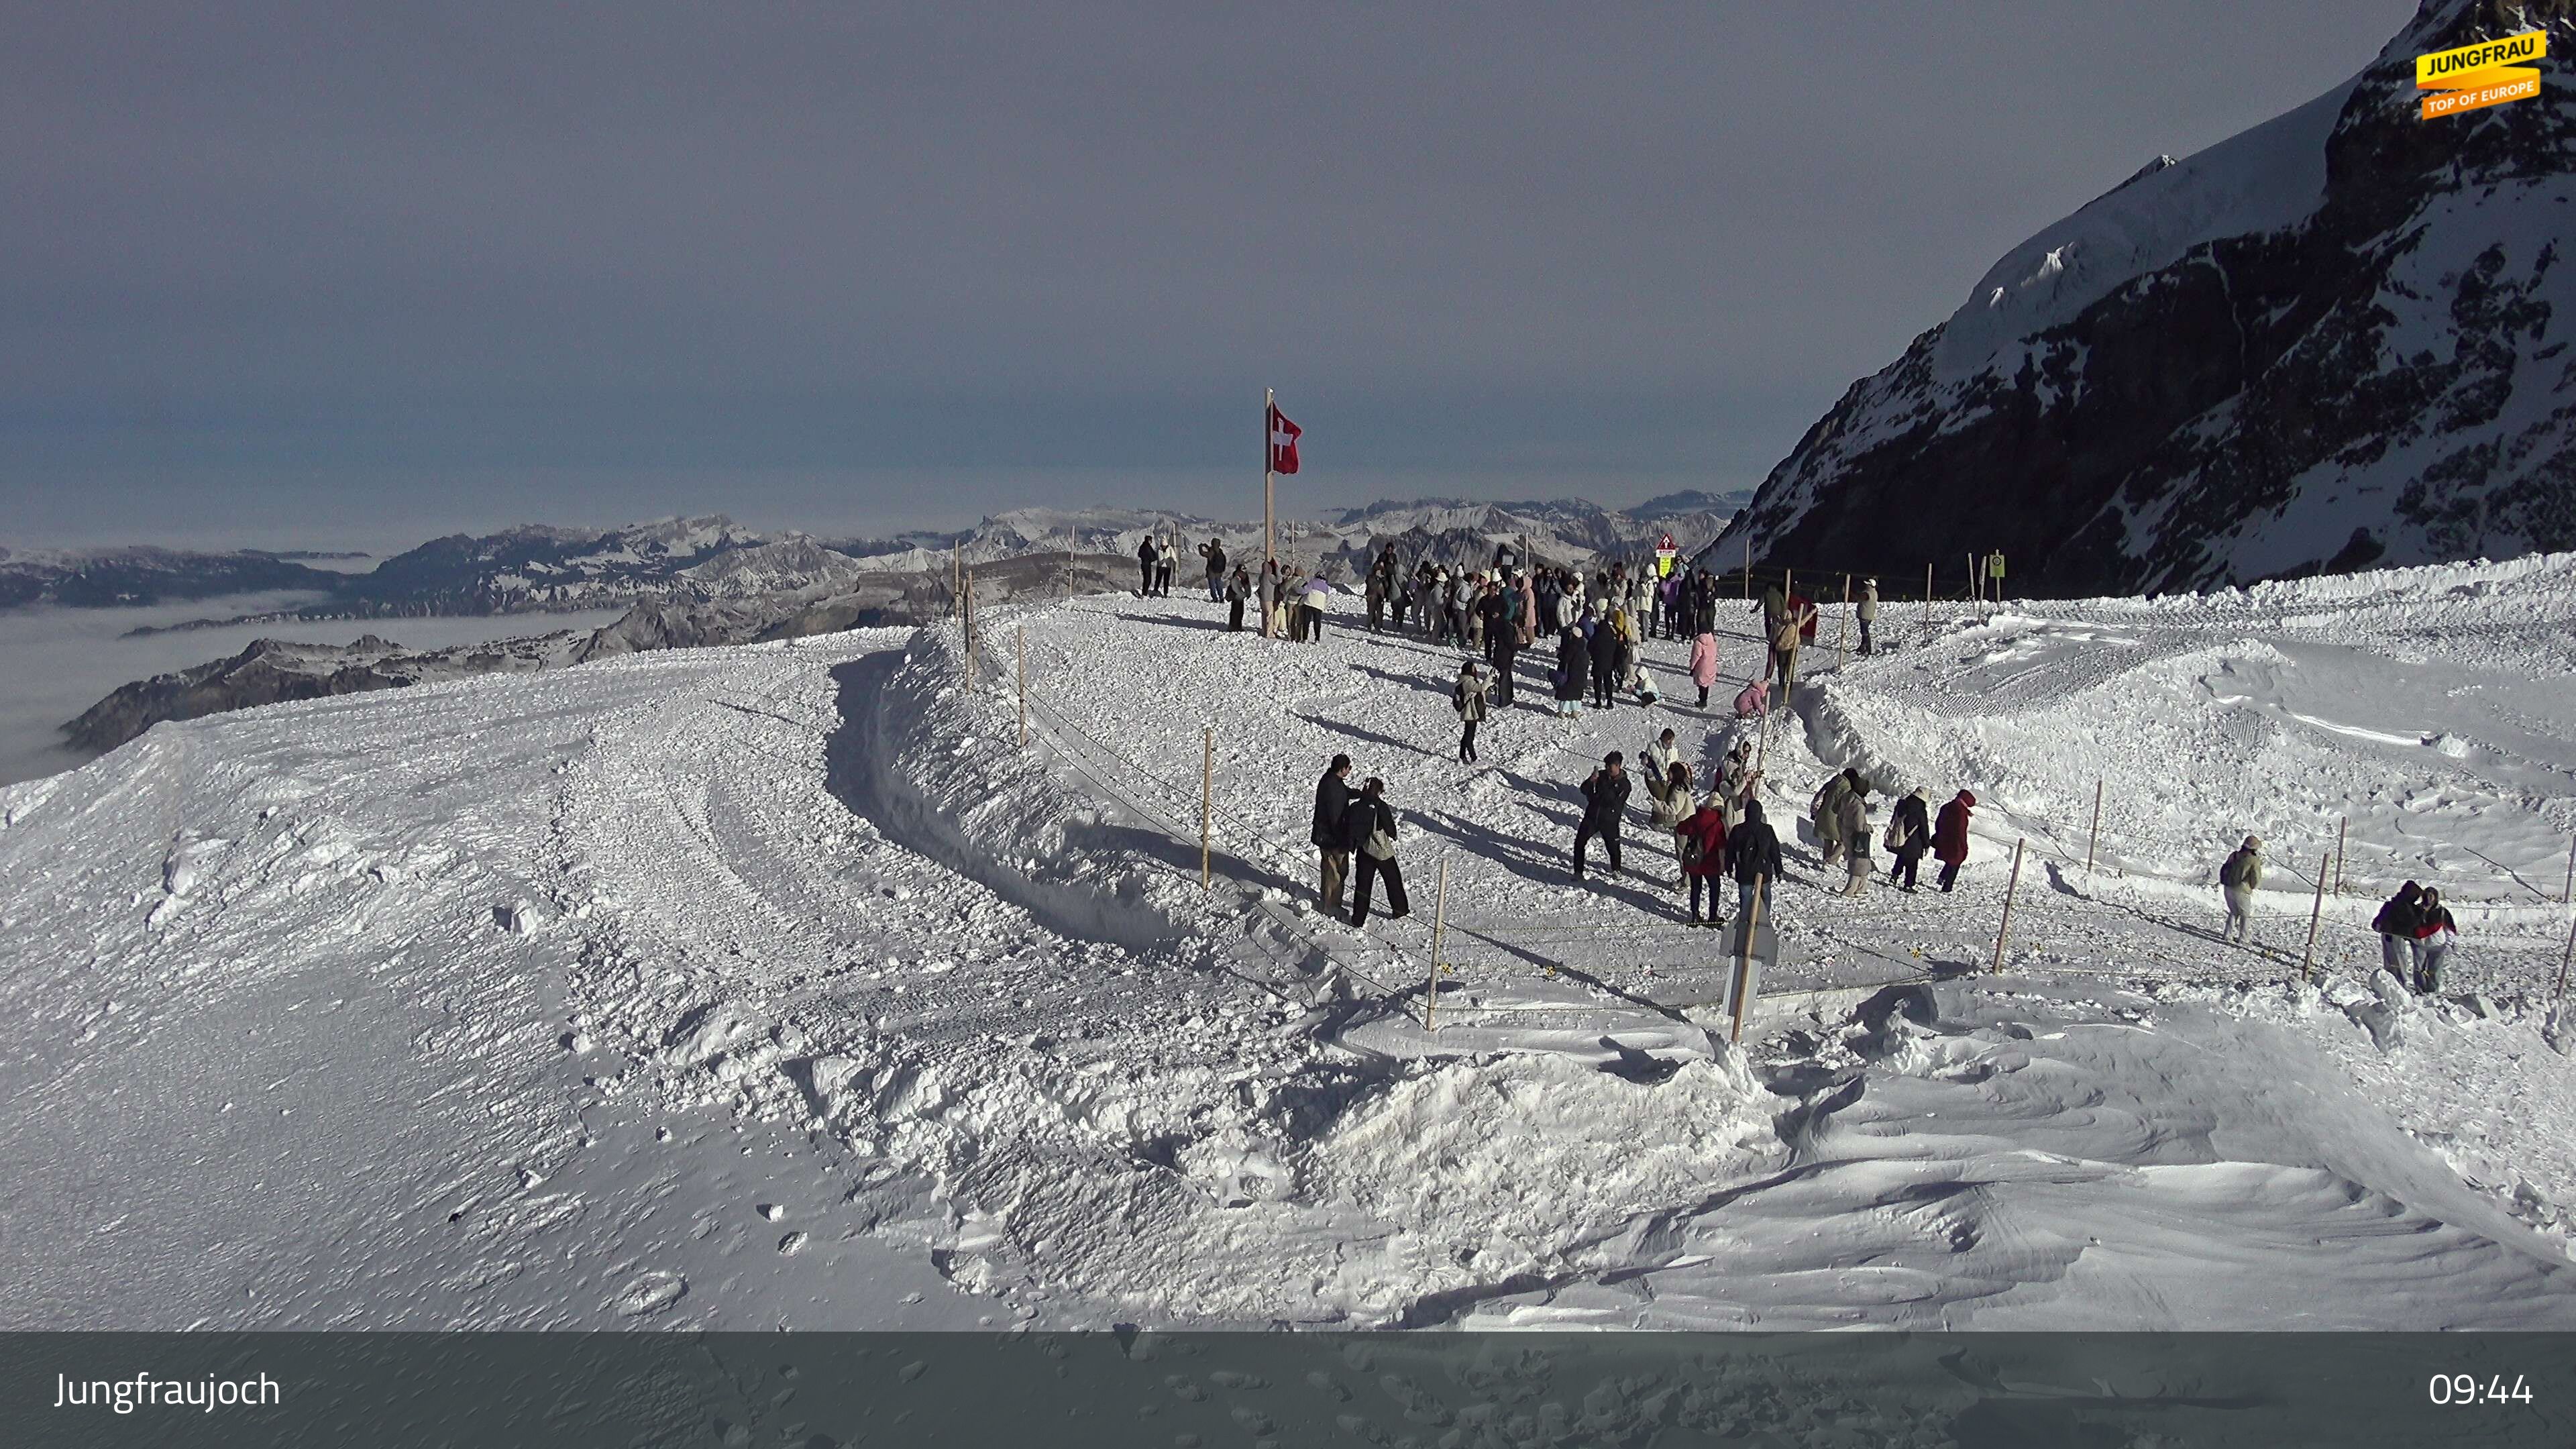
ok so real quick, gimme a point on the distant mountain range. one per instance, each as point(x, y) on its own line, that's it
point(690, 582)
point(709, 559)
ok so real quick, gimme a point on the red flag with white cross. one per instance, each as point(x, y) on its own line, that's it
point(1283, 442)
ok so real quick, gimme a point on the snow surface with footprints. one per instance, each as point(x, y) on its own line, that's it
point(778, 986)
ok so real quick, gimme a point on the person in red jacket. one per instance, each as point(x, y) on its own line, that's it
point(1950, 837)
point(1702, 842)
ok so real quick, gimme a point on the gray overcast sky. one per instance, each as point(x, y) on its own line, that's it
point(320, 271)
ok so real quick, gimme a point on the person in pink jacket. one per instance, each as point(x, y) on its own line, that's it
point(1703, 665)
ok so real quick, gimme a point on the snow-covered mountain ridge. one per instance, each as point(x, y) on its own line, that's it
point(2323, 343)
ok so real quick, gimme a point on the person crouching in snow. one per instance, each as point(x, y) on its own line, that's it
point(2435, 935)
point(1701, 841)
point(1753, 701)
point(2238, 879)
point(1950, 837)
point(1469, 699)
point(1703, 665)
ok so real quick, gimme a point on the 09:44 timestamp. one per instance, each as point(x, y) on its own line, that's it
point(2470, 1389)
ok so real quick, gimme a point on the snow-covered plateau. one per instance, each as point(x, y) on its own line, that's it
point(781, 985)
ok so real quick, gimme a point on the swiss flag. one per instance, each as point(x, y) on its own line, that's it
point(1283, 442)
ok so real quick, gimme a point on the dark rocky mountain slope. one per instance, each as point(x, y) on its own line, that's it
point(2338, 339)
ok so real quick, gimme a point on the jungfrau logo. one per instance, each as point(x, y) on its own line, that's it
point(2473, 77)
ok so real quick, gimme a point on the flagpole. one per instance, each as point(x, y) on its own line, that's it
point(1269, 555)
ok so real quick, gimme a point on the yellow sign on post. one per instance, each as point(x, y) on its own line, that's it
point(2473, 77)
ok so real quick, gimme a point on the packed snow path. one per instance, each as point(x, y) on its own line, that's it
point(776, 986)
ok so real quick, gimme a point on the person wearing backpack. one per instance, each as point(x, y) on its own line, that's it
point(1909, 834)
point(2396, 922)
point(1369, 830)
point(2238, 879)
point(1673, 806)
point(1605, 800)
point(1753, 854)
point(1469, 699)
point(1853, 827)
point(1701, 843)
point(1826, 810)
point(2435, 935)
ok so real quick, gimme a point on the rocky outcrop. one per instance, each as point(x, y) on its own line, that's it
point(271, 671)
point(2336, 340)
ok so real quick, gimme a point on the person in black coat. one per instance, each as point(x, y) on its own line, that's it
point(1370, 816)
point(1754, 851)
point(1605, 801)
point(1912, 827)
point(1332, 803)
point(1607, 646)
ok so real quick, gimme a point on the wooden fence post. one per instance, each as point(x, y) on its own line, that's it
point(970, 631)
point(1842, 623)
point(1024, 686)
point(1439, 928)
point(2011, 889)
point(1748, 570)
point(2560, 994)
point(2567, 893)
point(1207, 799)
point(2095, 838)
point(2316, 914)
point(1744, 958)
point(957, 581)
point(2341, 830)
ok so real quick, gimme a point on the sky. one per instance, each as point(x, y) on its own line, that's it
point(335, 275)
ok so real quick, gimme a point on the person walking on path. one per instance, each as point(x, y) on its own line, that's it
point(2398, 917)
point(1866, 612)
point(1852, 823)
point(1826, 810)
point(1701, 841)
point(1469, 699)
point(1950, 837)
point(1214, 552)
point(1605, 800)
point(1909, 834)
point(1753, 853)
point(1573, 667)
point(1703, 664)
point(1607, 646)
point(1238, 587)
point(1332, 802)
point(1369, 827)
point(2238, 879)
point(1672, 806)
point(1373, 595)
point(1167, 562)
point(1145, 557)
point(2435, 935)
